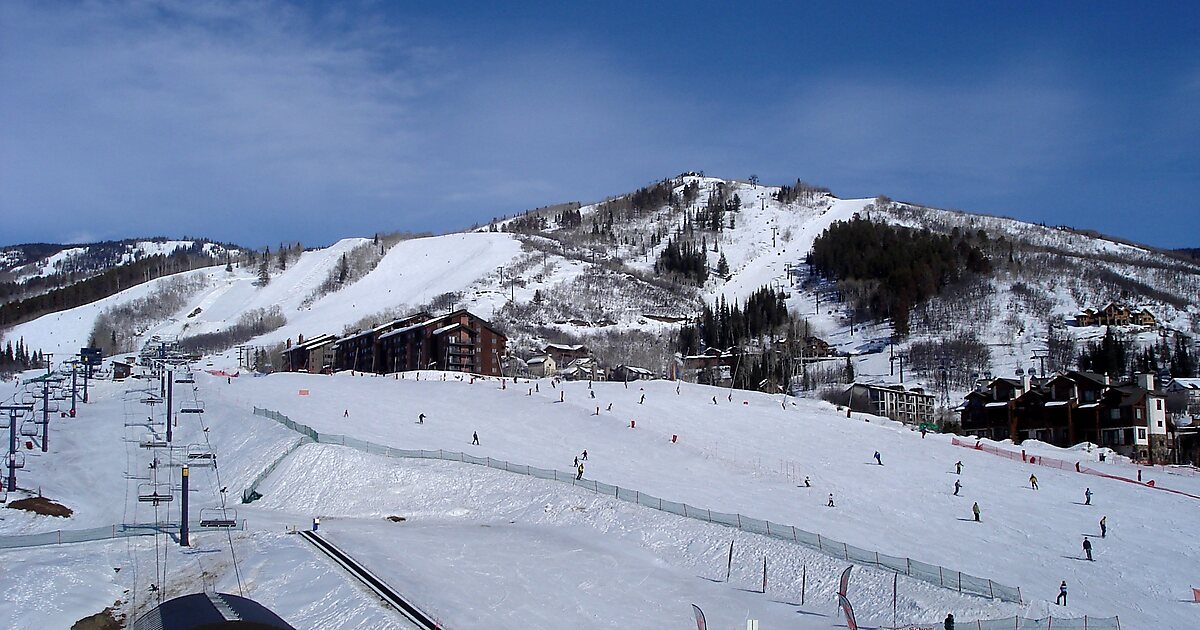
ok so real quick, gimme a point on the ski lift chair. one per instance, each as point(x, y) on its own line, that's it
point(200, 456)
point(52, 406)
point(155, 493)
point(187, 378)
point(29, 428)
point(195, 406)
point(16, 460)
point(218, 518)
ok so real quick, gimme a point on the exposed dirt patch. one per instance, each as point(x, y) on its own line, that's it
point(103, 620)
point(41, 505)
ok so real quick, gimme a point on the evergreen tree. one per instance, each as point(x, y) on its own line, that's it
point(264, 272)
point(343, 270)
point(723, 266)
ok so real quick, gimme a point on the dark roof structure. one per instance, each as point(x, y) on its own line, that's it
point(205, 611)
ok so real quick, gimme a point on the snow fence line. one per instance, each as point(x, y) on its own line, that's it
point(1062, 464)
point(931, 573)
point(107, 532)
point(1022, 623)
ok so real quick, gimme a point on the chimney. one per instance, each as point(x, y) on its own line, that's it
point(1145, 381)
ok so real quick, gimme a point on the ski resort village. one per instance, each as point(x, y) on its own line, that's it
point(696, 403)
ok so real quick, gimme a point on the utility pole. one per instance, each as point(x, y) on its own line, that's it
point(773, 231)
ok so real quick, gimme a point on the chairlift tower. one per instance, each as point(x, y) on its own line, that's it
point(14, 413)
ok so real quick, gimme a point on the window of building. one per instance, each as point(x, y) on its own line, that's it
point(1138, 413)
point(1114, 414)
point(1158, 404)
point(1141, 434)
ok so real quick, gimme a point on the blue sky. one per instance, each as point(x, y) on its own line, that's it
point(262, 122)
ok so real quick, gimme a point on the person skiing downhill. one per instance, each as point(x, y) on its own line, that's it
point(421, 419)
point(830, 499)
point(1033, 482)
point(975, 511)
point(475, 438)
point(957, 487)
point(1087, 548)
point(878, 459)
point(807, 483)
point(576, 464)
point(1103, 526)
point(1087, 496)
point(580, 475)
point(1062, 594)
point(958, 468)
point(585, 454)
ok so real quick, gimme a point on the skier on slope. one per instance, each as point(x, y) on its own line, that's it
point(1087, 548)
point(1087, 496)
point(807, 483)
point(957, 487)
point(1033, 482)
point(975, 511)
point(1103, 526)
point(878, 459)
point(958, 467)
point(585, 454)
point(830, 499)
point(580, 474)
point(475, 438)
point(421, 419)
point(1062, 594)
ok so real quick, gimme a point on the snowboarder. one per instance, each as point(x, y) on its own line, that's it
point(1103, 526)
point(1087, 548)
point(878, 459)
point(1087, 496)
point(580, 469)
point(643, 400)
point(807, 483)
point(957, 487)
point(475, 438)
point(1033, 482)
point(830, 499)
point(585, 454)
point(421, 419)
point(958, 468)
point(949, 623)
point(1062, 594)
point(346, 413)
point(975, 511)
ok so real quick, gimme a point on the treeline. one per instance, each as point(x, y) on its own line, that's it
point(683, 260)
point(101, 286)
point(16, 358)
point(727, 326)
point(801, 191)
point(885, 270)
point(251, 324)
point(1115, 355)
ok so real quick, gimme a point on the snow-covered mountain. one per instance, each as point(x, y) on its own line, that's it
point(588, 273)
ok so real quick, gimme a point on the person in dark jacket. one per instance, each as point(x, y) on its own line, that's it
point(475, 438)
point(878, 459)
point(957, 487)
point(1103, 526)
point(975, 510)
point(1087, 548)
point(1062, 594)
point(949, 624)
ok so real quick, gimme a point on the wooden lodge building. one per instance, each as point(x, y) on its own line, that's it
point(1066, 409)
point(457, 342)
point(1114, 314)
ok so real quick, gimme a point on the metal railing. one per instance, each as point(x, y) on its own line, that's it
point(108, 532)
point(931, 573)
